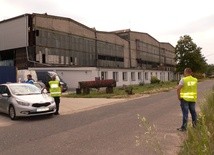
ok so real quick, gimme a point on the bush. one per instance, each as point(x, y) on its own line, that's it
point(154, 79)
point(128, 89)
point(141, 84)
point(198, 75)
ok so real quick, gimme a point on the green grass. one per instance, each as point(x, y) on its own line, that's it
point(149, 139)
point(200, 140)
point(119, 92)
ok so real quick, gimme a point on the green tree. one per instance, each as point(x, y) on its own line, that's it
point(189, 55)
point(210, 70)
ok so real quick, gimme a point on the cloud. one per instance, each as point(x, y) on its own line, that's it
point(198, 26)
point(24, 6)
point(31, 5)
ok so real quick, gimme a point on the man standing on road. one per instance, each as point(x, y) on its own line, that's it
point(55, 91)
point(187, 94)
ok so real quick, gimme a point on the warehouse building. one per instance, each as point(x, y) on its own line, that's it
point(148, 53)
point(46, 41)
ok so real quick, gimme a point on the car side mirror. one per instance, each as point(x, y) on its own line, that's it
point(44, 90)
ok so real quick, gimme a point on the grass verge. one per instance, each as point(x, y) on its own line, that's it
point(200, 140)
point(119, 92)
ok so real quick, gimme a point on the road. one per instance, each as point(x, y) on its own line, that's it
point(107, 130)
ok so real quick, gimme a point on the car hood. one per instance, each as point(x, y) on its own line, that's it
point(38, 98)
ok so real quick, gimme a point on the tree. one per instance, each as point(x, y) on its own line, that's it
point(189, 55)
point(210, 70)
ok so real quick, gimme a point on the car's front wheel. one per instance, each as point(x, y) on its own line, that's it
point(12, 112)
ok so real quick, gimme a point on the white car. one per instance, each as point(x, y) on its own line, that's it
point(23, 99)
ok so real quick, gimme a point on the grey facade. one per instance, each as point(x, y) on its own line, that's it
point(62, 42)
point(147, 53)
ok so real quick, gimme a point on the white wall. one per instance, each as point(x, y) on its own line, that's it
point(74, 75)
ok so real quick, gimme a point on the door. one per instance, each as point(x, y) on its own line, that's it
point(4, 100)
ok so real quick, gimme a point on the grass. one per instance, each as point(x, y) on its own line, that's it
point(119, 92)
point(148, 139)
point(200, 140)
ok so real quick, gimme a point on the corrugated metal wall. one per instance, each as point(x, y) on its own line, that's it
point(61, 48)
point(53, 47)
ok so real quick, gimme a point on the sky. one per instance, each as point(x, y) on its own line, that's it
point(165, 20)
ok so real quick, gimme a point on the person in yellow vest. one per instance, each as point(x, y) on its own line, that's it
point(187, 94)
point(55, 92)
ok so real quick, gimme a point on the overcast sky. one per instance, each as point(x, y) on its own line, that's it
point(165, 20)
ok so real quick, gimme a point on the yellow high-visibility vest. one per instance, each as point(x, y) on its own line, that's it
point(189, 89)
point(55, 89)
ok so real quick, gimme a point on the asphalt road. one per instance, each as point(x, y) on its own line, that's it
point(107, 130)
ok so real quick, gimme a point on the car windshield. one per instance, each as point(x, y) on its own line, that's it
point(24, 89)
point(37, 85)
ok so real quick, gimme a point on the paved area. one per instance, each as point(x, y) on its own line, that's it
point(73, 105)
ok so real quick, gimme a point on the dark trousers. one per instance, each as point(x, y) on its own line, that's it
point(57, 101)
point(186, 107)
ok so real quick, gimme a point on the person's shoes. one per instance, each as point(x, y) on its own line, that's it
point(56, 113)
point(181, 129)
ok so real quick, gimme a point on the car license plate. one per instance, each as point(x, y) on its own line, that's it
point(42, 109)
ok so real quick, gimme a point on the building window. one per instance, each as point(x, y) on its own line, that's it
point(115, 76)
point(103, 75)
point(125, 76)
point(146, 76)
point(43, 58)
point(71, 60)
point(133, 76)
point(139, 76)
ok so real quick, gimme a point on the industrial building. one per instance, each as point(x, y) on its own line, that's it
point(46, 41)
point(148, 53)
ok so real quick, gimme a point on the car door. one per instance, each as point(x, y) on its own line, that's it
point(1, 97)
point(4, 100)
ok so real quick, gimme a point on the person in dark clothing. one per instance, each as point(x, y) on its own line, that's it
point(29, 79)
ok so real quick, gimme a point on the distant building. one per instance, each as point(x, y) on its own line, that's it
point(146, 52)
point(41, 40)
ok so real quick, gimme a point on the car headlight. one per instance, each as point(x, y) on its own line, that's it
point(23, 103)
point(52, 102)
